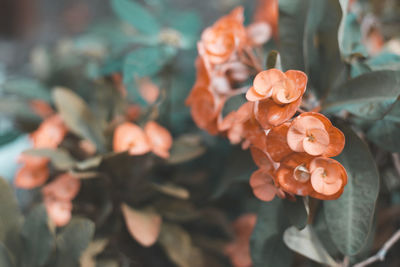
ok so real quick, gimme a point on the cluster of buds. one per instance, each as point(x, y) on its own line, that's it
point(293, 153)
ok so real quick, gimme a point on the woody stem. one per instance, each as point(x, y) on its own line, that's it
point(381, 254)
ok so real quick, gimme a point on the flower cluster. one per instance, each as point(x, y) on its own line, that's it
point(293, 153)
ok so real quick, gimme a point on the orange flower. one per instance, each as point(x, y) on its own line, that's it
point(258, 33)
point(58, 196)
point(262, 180)
point(130, 137)
point(159, 138)
point(268, 11)
point(132, 112)
point(41, 108)
point(239, 250)
point(64, 187)
point(314, 134)
point(148, 90)
point(233, 123)
point(59, 211)
point(219, 42)
point(277, 95)
point(277, 146)
point(50, 133)
point(29, 177)
point(304, 175)
point(205, 105)
point(328, 177)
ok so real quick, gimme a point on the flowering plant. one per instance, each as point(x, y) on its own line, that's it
point(267, 148)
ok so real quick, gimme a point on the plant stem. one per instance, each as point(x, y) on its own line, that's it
point(380, 255)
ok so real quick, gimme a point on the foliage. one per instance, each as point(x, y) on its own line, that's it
point(119, 173)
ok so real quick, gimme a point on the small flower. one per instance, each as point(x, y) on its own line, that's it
point(29, 177)
point(239, 250)
point(41, 108)
point(268, 11)
point(159, 138)
point(258, 33)
point(148, 90)
point(314, 134)
point(328, 177)
point(59, 211)
point(304, 175)
point(50, 133)
point(130, 137)
point(227, 35)
point(277, 95)
point(64, 187)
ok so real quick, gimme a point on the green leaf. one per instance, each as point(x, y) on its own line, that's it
point(292, 17)
point(266, 244)
point(350, 36)
point(296, 212)
point(72, 242)
point(10, 217)
point(349, 218)
point(188, 24)
point(385, 134)
point(27, 88)
point(369, 95)
point(60, 158)
point(138, 16)
point(144, 61)
point(321, 49)
point(306, 243)
point(384, 61)
point(186, 148)
point(179, 247)
point(38, 239)
point(78, 117)
point(6, 259)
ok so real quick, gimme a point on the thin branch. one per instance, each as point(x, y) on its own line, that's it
point(380, 256)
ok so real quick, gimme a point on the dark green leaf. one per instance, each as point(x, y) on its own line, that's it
point(349, 218)
point(369, 95)
point(350, 36)
point(266, 243)
point(292, 17)
point(72, 241)
point(78, 117)
point(385, 134)
point(60, 158)
point(38, 239)
point(136, 15)
point(306, 243)
point(27, 88)
point(296, 212)
point(10, 217)
point(185, 148)
point(144, 61)
point(6, 259)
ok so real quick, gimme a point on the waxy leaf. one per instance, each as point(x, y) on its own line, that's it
point(6, 259)
point(78, 117)
point(26, 88)
point(142, 62)
point(10, 217)
point(135, 14)
point(178, 245)
point(72, 242)
point(306, 243)
point(38, 238)
point(369, 95)
point(349, 217)
point(60, 158)
point(296, 212)
point(144, 226)
point(292, 17)
point(266, 242)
